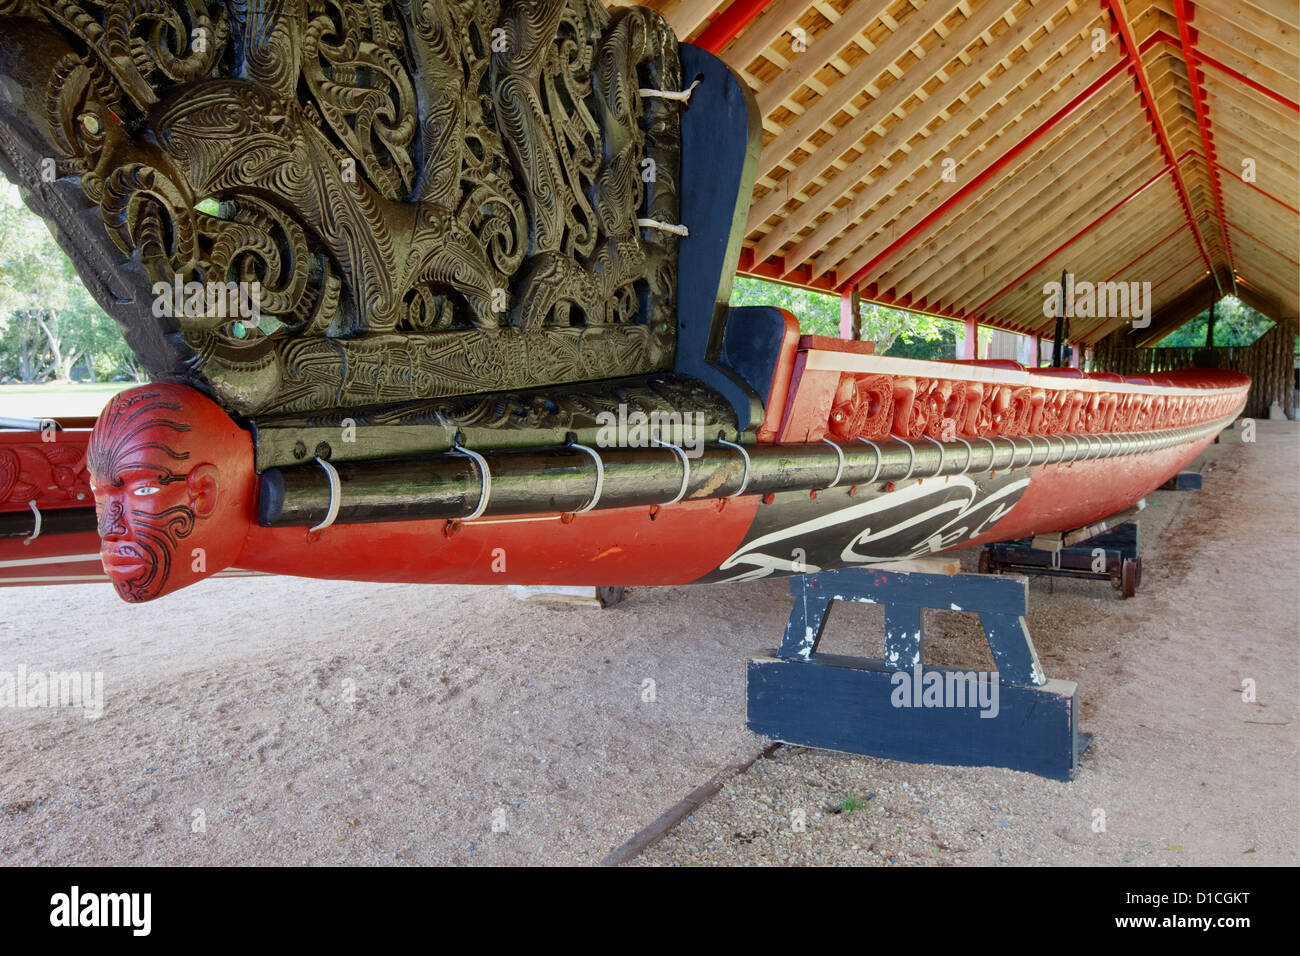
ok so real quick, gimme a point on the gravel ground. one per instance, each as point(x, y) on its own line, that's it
point(1181, 771)
point(283, 720)
point(311, 722)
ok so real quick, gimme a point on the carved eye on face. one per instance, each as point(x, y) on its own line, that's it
point(146, 490)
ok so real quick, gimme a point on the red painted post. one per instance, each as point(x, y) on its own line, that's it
point(970, 340)
point(846, 315)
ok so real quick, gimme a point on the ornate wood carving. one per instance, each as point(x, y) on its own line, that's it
point(53, 474)
point(539, 418)
point(433, 197)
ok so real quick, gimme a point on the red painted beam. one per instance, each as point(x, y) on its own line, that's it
point(979, 309)
point(773, 270)
point(923, 307)
point(727, 25)
point(1184, 12)
point(1120, 26)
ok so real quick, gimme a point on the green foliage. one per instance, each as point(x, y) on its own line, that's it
point(49, 324)
point(1235, 324)
point(819, 314)
point(942, 346)
point(850, 803)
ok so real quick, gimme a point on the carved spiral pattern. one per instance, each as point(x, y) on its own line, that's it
point(427, 191)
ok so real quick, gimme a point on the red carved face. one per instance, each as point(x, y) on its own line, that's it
point(172, 477)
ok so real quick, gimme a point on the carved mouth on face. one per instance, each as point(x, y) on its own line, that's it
point(130, 568)
point(124, 563)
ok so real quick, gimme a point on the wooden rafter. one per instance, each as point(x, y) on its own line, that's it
point(1052, 138)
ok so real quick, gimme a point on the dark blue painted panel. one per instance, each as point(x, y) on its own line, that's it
point(751, 345)
point(720, 145)
point(845, 704)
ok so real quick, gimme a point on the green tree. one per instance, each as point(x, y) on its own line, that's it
point(1235, 324)
point(49, 323)
point(819, 314)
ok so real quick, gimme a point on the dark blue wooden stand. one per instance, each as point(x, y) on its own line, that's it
point(1114, 555)
point(861, 706)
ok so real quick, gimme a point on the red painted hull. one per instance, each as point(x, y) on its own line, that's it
point(679, 544)
point(719, 539)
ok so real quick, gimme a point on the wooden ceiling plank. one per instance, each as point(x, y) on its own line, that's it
point(911, 32)
point(929, 149)
point(1075, 207)
point(1271, 165)
point(686, 17)
point(1222, 55)
point(875, 113)
point(773, 23)
point(898, 218)
point(1248, 240)
point(1091, 254)
point(1284, 11)
point(978, 223)
point(1268, 114)
point(1067, 167)
point(1279, 34)
point(1254, 49)
point(824, 47)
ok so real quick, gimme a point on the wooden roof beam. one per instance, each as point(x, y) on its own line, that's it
point(687, 16)
point(824, 47)
point(1131, 197)
point(1277, 32)
point(1122, 29)
point(776, 19)
point(911, 203)
point(857, 128)
point(1064, 166)
point(919, 119)
point(1260, 76)
point(1076, 204)
point(974, 183)
point(1184, 12)
point(1262, 50)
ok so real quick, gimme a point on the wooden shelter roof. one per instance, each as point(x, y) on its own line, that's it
point(954, 156)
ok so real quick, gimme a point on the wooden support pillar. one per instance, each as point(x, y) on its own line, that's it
point(850, 315)
point(970, 340)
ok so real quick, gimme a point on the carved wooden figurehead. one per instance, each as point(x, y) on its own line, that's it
point(329, 203)
point(173, 482)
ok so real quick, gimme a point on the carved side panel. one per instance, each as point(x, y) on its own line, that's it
point(52, 474)
point(344, 202)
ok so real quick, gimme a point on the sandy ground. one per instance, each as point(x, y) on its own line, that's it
point(292, 721)
point(1181, 771)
